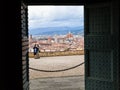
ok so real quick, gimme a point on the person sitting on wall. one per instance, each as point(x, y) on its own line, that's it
point(36, 51)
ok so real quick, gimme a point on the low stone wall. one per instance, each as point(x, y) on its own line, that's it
point(62, 53)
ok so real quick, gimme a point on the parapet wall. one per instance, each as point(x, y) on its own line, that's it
point(62, 53)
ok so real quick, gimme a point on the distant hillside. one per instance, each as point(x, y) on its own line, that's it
point(57, 30)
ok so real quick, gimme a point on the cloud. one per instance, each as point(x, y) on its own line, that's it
point(54, 16)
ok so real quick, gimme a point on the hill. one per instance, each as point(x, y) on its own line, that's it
point(57, 30)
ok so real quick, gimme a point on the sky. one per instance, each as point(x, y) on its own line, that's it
point(55, 16)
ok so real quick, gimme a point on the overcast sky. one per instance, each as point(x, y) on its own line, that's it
point(55, 16)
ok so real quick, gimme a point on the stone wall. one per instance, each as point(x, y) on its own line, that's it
point(62, 53)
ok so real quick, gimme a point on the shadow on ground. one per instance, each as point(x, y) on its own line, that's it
point(59, 83)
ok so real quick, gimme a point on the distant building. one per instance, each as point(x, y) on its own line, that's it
point(69, 35)
point(61, 40)
point(57, 42)
point(31, 40)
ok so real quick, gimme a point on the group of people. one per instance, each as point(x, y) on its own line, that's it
point(36, 51)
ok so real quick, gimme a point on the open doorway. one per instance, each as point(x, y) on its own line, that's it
point(59, 32)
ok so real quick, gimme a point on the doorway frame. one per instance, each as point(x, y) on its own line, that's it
point(84, 30)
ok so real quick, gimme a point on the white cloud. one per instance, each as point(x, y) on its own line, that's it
point(49, 16)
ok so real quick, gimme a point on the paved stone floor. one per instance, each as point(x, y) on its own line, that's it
point(56, 63)
point(66, 80)
point(58, 83)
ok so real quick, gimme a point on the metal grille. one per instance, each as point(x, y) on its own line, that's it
point(100, 48)
point(99, 20)
point(102, 62)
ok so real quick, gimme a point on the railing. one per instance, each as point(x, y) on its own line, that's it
point(60, 70)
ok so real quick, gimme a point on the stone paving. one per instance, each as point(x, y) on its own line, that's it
point(58, 83)
point(66, 80)
point(55, 63)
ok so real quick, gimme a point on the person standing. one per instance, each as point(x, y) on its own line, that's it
point(36, 51)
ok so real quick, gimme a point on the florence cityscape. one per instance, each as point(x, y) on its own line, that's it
point(56, 42)
point(56, 28)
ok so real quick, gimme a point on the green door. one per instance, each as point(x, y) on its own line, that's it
point(101, 47)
